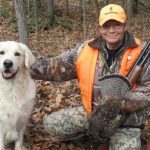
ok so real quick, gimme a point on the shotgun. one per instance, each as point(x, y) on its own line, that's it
point(107, 117)
point(138, 66)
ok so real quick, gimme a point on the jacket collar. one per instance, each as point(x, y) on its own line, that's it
point(128, 41)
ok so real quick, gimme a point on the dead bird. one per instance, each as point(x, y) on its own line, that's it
point(108, 115)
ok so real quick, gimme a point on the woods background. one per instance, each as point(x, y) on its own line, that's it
point(50, 27)
point(31, 18)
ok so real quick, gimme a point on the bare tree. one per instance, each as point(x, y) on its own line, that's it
point(96, 8)
point(21, 21)
point(106, 2)
point(84, 18)
point(130, 6)
point(36, 18)
point(51, 16)
point(28, 6)
point(67, 8)
point(81, 10)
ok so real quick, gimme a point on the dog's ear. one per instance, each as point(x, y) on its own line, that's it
point(29, 57)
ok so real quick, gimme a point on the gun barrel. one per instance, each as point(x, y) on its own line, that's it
point(137, 68)
point(144, 54)
point(135, 73)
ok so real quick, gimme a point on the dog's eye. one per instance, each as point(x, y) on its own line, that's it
point(17, 54)
point(2, 52)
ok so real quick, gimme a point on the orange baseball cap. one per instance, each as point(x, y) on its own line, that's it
point(112, 12)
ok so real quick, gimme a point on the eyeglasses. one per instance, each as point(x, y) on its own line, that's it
point(117, 26)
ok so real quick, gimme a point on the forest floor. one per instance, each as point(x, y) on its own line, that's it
point(50, 42)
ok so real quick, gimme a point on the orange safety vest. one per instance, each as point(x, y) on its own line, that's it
point(86, 64)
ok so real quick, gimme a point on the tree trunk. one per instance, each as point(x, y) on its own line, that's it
point(51, 16)
point(21, 21)
point(106, 2)
point(67, 8)
point(81, 10)
point(84, 18)
point(28, 6)
point(36, 18)
point(96, 8)
point(130, 8)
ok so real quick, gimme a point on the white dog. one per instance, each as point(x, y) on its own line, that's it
point(17, 92)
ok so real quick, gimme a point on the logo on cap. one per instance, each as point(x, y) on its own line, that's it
point(111, 11)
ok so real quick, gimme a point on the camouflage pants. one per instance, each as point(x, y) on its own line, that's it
point(72, 123)
point(126, 139)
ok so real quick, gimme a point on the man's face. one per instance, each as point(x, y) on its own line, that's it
point(112, 32)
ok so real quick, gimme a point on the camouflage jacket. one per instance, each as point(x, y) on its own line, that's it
point(63, 68)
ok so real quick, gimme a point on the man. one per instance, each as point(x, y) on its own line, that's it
point(114, 51)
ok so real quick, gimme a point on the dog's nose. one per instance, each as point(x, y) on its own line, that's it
point(8, 63)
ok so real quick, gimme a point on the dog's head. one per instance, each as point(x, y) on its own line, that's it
point(14, 57)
